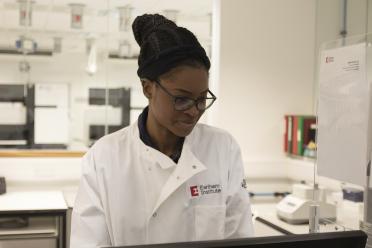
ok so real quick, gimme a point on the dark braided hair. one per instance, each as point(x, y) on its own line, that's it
point(165, 46)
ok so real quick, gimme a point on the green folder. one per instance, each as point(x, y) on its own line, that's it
point(300, 136)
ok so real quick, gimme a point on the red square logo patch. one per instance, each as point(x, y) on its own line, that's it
point(194, 191)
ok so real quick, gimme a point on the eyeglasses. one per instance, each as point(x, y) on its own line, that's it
point(182, 103)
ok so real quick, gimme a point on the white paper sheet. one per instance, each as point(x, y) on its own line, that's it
point(343, 113)
point(51, 126)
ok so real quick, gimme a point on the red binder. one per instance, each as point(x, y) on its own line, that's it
point(285, 138)
point(294, 135)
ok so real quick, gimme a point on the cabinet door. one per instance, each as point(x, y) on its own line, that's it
point(29, 243)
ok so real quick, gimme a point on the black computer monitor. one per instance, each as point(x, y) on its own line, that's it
point(346, 239)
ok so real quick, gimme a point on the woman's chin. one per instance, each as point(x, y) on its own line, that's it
point(183, 129)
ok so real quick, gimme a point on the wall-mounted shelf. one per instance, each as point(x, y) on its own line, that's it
point(303, 158)
point(41, 154)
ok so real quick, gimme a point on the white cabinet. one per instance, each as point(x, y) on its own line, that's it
point(45, 219)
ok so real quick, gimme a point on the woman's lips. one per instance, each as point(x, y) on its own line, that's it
point(187, 124)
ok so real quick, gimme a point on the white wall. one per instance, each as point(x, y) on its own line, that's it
point(330, 16)
point(266, 70)
point(40, 171)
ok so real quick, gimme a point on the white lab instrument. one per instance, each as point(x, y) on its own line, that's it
point(295, 208)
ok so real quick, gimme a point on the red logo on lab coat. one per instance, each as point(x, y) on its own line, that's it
point(194, 191)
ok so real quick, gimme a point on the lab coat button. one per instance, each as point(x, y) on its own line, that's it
point(194, 166)
point(178, 178)
point(154, 215)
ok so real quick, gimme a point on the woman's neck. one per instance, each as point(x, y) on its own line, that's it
point(163, 139)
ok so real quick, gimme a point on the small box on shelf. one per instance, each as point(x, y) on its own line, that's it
point(2, 185)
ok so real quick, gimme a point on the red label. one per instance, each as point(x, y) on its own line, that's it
point(329, 59)
point(77, 18)
point(194, 191)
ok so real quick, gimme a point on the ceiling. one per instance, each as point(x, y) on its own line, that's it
point(52, 18)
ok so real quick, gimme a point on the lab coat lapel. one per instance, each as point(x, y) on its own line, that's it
point(187, 167)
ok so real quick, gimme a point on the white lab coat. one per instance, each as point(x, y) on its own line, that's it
point(133, 194)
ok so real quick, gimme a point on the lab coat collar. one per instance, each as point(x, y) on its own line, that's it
point(164, 161)
point(146, 139)
point(187, 167)
point(161, 159)
point(152, 154)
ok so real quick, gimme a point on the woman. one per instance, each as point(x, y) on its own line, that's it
point(165, 178)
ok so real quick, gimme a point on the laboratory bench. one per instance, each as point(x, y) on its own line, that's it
point(49, 218)
point(267, 223)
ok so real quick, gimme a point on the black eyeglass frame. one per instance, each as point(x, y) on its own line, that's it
point(196, 101)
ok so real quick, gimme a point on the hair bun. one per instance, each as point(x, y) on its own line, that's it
point(145, 24)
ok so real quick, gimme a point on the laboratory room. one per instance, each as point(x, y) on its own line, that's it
point(180, 124)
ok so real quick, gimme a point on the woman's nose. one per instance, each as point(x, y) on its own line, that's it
point(193, 111)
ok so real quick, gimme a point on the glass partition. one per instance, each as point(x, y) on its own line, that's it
point(68, 71)
point(344, 124)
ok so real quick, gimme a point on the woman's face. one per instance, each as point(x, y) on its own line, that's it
point(182, 81)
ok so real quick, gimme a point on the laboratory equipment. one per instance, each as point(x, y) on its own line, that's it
point(295, 208)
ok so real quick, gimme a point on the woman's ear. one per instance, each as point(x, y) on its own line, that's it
point(147, 88)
